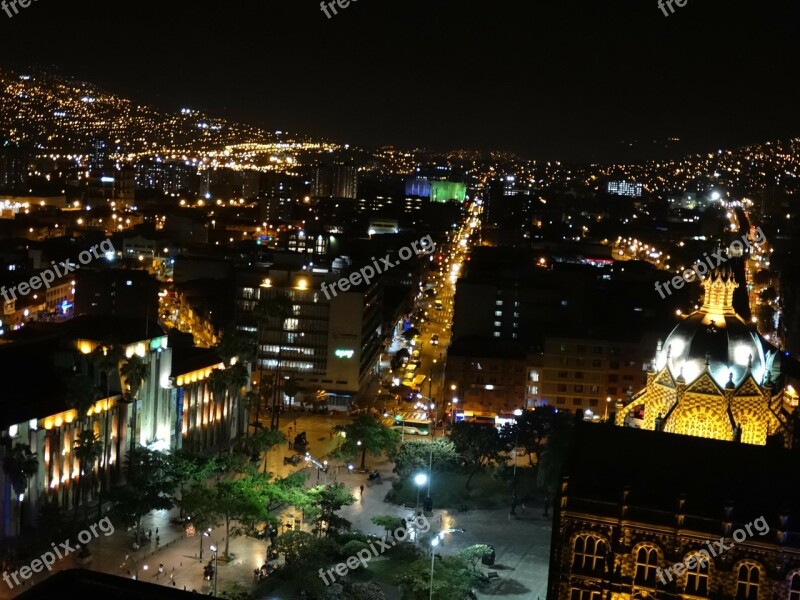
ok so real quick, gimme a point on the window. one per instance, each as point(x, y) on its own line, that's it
point(561, 400)
point(496, 334)
point(562, 387)
point(578, 388)
point(580, 361)
point(612, 378)
point(646, 564)
point(499, 303)
point(630, 363)
point(497, 323)
point(576, 594)
point(563, 347)
point(578, 374)
point(589, 553)
point(577, 402)
point(697, 578)
point(594, 389)
point(614, 351)
point(612, 390)
point(597, 350)
point(614, 364)
point(564, 361)
point(596, 362)
point(593, 402)
point(581, 348)
point(534, 375)
point(562, 374)
point(533, 390)
point(794, 587)
point(747, 582)
point(498, 313)
point(516, 315)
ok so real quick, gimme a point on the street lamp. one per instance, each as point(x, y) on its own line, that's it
point(517, 413)
point(608, 401)
point(434, 543)
point(213, 548)
point(420, 479)
point(205, 534)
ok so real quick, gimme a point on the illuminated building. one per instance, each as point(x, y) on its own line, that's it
point(656, 501)
point(713, 377)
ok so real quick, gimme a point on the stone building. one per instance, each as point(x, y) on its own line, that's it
point(723, 517)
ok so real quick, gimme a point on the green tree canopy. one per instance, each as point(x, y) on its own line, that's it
point(478, 445)
point(415, 455)
point(367, 434)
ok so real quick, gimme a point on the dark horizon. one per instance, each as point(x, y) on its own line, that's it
point(551, 82)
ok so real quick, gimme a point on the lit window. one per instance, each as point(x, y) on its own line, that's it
point(576, 594)
point(499, 303)
point(697, 577)
point(496, 334)
point(498, 313)
point(646, 564)
point(794, 588)
point(747, 582)
point(497, 323)
point(589, 553)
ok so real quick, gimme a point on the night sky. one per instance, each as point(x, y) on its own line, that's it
point(553, 79)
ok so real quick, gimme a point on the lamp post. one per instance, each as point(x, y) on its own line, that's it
point(434, 543)
point(608, 401)
point(205, 534)
point(517, 413)
point(420, 479)
point(213, 548)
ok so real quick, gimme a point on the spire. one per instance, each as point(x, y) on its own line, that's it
point(719, 287)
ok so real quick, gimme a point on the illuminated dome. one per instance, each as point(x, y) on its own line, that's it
point(713, 377)
point(717, 337)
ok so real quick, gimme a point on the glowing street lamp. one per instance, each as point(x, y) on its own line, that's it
point(420, 479)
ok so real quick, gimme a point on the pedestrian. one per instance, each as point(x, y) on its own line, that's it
point(158, 541)
point(156, 530)
point(149, 534)
point(362, 489)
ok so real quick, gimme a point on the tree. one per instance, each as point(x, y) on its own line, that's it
point(20, 465)
point(452, 579)
point(276, 308)
point(291, 387)
point(473, 554)
point(319, 401)
point(325, 501)
point(304, 552)
point(477, 444)
point(149, 487)
point(135, 371)
point(439, 453)
point(87, 451)
point(236, 378)
point(554, 455)
point(81, 396)
point(367, 434)
point(218, 386)
point(530, 430)
point(261, 441)
point(107, 360)
point(390, 523)
point(187, 468)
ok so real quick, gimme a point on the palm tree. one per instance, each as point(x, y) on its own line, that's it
point(106, 360)
point(88, 449)
point(81, 396)
point(277, 309)
point(218, 385)
point(290, 388)
point(236, 378)
point(135, 371)
point(19, 465)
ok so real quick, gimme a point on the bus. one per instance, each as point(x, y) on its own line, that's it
point(412, 426)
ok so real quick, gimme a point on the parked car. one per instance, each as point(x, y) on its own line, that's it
point(435, 339)
point(291, 460)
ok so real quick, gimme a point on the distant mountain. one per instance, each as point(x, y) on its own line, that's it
point(64, 115)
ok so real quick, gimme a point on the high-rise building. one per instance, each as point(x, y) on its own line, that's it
point(335, 181)
point(13, 166)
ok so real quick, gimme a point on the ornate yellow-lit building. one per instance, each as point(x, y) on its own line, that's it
point(713, 377)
